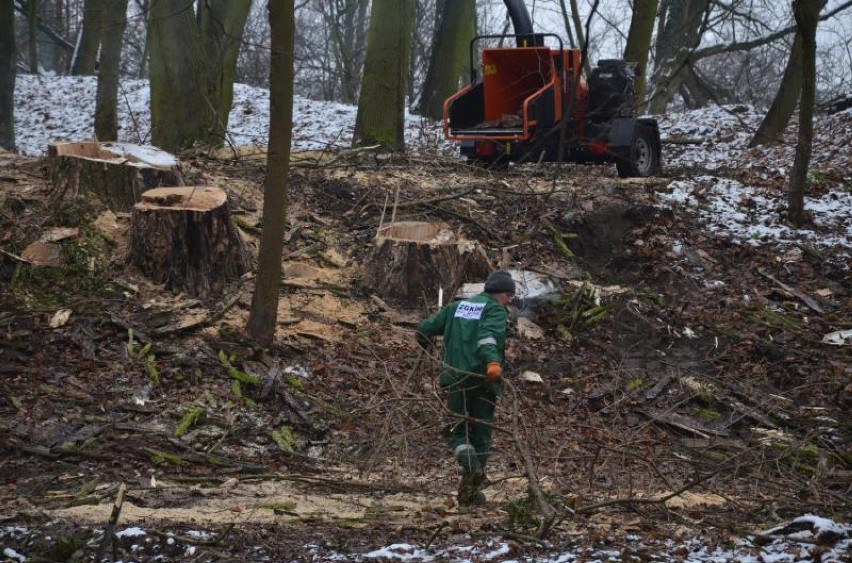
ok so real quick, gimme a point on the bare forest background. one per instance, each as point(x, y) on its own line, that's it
point(726, 52)
point(391, 56)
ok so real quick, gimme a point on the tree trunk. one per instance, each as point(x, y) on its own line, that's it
point(411, 260)
point(346, 22)
point(192, 63)
point(32, 35)
point(381, 107)
point(264, 305)
point(807, 18)
point(106, 115)
point(86, 53)
point(115, 173)
point(449, 50)
point(184, 238)
point(581, 36)
point(143, 60)
point(684, 26)
point(222, 25)
point(180, 112)
point(7, 74)
point(566, 22)
point(639, 42)
point(786, 98)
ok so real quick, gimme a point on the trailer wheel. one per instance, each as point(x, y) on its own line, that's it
point(644, 158)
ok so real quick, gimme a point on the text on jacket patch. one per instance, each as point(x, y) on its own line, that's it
point(468, 310)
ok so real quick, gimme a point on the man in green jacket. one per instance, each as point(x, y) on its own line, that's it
point(474, 335)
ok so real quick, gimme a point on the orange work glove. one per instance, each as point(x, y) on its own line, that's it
point(493, 371)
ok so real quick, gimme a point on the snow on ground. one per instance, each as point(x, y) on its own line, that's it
point(806, 538)
point(736, 191)
point(50, 108)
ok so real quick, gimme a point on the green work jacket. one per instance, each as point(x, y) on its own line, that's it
point(474, 332)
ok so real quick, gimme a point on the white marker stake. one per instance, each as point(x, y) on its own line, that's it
point(440, 297)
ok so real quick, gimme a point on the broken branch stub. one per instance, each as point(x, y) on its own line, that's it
point(411, 260)
point(116, 173)
point(184, 238)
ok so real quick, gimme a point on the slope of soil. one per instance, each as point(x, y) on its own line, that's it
point(703, 373)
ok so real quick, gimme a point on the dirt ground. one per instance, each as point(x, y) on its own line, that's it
point(700, 400)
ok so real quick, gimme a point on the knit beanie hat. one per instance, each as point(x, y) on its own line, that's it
point(500, 282)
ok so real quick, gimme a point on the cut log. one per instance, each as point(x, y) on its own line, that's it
point(184, 238)
point(412, 260)
point(116, 173)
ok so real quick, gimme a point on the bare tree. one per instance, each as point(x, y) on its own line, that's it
point(346, 22)
point(114, 21)
point(683, 23)
point(639, 41)
point(89, 37)
point(806, 13)
point(7, 74)
point(32, 35)
point(264, 306)
point(253, 62)
point(381, 106)
point(192, 60)
point(456, 27)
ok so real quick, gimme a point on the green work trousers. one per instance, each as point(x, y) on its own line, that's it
point(475, 401)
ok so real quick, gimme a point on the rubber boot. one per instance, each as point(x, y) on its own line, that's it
point(469, 493)
point(466, 456)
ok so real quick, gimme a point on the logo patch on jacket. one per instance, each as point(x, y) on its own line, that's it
point(468, 310)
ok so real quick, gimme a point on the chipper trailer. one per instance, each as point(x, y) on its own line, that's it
point(530, 102)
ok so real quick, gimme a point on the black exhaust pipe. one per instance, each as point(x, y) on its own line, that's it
point(521, 20)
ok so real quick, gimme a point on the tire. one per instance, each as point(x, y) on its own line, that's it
point(644, 158)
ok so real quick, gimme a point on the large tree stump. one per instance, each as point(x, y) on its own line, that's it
point(184, 238)
point(117, 173)
point(411, 260)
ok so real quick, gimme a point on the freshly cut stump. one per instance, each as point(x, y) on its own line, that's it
point(117, 173)
point(411, 260)
point(184, 238)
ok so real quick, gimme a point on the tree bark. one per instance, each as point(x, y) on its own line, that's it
point(115, 173)
point(381, 107)
point(411, 260)
point(106, 114)
point(180, 112)
point(7, 74)
point(786, 98)
point(639, 42)
point(456, 28)
point(566, 22)
point(222, 25)
point(684, 26)
point(32, 35)
point(192, 64)
point(86, 53)
point(184, 238)
point(806, 13)
point(264, 305)
point(346, 21)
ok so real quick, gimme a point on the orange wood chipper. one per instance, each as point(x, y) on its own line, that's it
point(530, 102)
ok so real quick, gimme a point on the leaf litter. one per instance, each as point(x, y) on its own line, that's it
point(684, 251)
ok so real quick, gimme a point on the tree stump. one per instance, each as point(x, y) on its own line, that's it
point(184, 238)
point(116, 173)
point(411, 260)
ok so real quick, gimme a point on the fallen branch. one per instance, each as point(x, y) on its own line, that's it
point(548, 513)
point(809, 301)
point(641, 500)
point(683, 140)
point(109, 531)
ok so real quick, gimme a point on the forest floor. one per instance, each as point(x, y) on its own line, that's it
point(704, 409)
